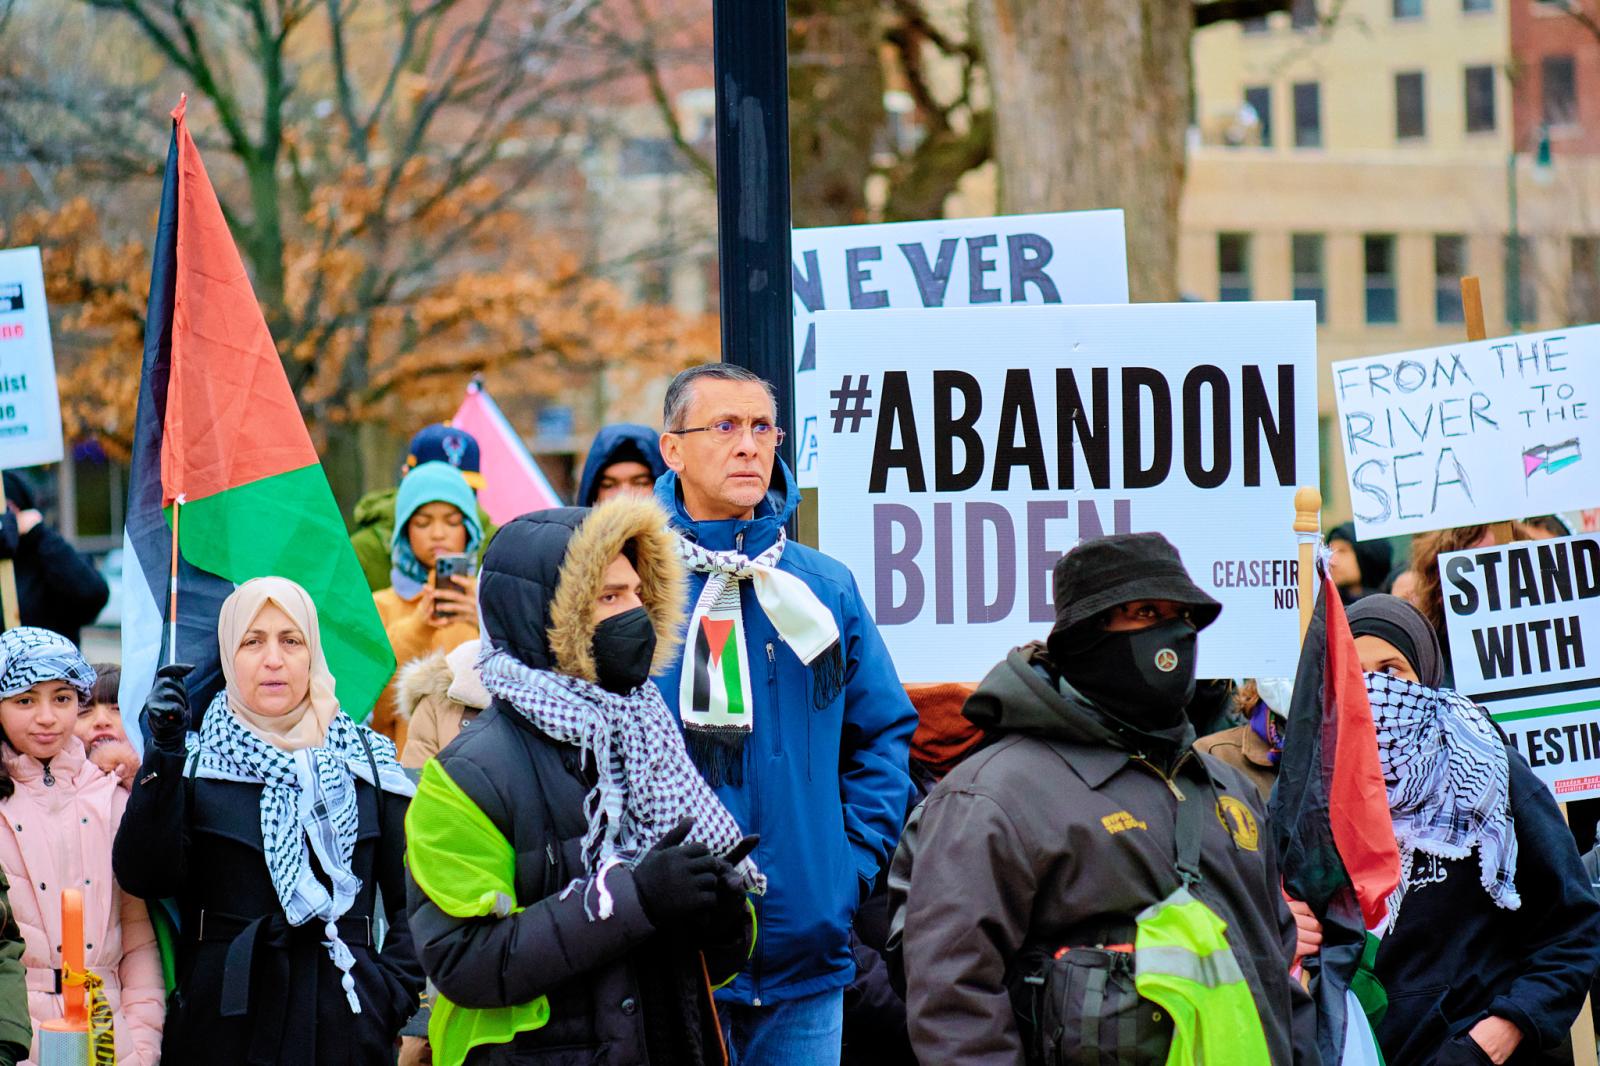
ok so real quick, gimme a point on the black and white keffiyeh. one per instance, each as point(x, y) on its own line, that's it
point(646, 783)
point(308, 805)
point(1449, 783)
point(29, 655)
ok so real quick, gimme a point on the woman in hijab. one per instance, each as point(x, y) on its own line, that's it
point(435, 514)
point(274, 828)
point(1493, 933)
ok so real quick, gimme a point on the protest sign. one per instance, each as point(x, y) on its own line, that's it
point(966, 450)
point(30, 414)
point(1524, 627)
point(1482, 431)
point(1070, 257)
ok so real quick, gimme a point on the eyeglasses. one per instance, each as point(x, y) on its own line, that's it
point(726, 431)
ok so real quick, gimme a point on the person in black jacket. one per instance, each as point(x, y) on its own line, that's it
point(57, 588)
point(576, 888)
point(274, 833)
point(1495, 931)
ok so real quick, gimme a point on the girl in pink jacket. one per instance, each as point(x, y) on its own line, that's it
point(60, 815)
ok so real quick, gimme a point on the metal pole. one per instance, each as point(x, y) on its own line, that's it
point(1513, 250)
point(751, 56)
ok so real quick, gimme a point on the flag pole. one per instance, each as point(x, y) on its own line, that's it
point(10, 607)
point(172, 587)
point(1308, 530)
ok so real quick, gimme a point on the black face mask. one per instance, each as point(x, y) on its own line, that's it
point(624, 646)
point(1144, 677)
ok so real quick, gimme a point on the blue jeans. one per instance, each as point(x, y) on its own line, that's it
point(798, 1032)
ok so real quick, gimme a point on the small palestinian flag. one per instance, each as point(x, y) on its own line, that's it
point(714, 701)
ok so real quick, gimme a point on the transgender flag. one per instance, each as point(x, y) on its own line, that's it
point(513, 484)
point(219, 434)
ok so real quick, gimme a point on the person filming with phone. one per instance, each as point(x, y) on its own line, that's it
point(432, 603)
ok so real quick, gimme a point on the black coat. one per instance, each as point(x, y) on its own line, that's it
point(251, 988)
point(1454, 957)
point(57, 588)
point(621, 992)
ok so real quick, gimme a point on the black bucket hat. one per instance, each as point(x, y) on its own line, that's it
point(1101, 573)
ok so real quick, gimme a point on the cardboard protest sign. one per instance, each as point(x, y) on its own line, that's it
point(1482, 431)
point(1524, 627)
point(966, 450)
point(30, 413)
point(1071, 257)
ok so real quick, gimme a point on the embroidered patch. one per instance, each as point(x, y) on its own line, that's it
point(1239, 820)
point(1121, 822)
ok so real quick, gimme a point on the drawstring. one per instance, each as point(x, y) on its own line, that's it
point(339, 952)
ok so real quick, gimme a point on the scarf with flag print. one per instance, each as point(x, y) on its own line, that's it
point(714, 698)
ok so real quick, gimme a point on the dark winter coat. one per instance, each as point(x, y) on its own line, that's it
point(1453, 957)
point(57, 588)
point(251, 989)
point(624, 442)
point(1059, 834)
point(621, 992)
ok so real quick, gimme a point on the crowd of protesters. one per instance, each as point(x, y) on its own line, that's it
point(647, 788)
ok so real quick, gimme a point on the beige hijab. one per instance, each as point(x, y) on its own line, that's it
point(305, 726)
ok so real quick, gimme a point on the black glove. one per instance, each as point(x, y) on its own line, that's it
point(730, 887)
point(676, 880)
point(166, 709)
point(10, 538)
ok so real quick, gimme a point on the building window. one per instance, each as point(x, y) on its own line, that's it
point(1473, 7)
point(1233, 266)
point(1522, 289)
point(1480, 99)
point(1383, 305)
point(1407, 9)
point(1258, 98)
point(1449, 264)
point(1303, 15)
point(1308, 115)
point(1558, 82)
point(1410, 110)
point(1305, 255)
point(1583, 296)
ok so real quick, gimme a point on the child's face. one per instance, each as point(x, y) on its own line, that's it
point(40, 721)
point(98, 722)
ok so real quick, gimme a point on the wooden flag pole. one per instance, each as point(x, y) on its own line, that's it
point(1308, 529)
point(1583, 1042)
point(10, 608)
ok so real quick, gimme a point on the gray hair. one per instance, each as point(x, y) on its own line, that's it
point(681, 392)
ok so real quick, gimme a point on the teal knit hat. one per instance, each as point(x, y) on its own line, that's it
point(431, 483)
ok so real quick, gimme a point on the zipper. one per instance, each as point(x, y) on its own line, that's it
point(776, 726)
point(738, 542)
point(1170, 782)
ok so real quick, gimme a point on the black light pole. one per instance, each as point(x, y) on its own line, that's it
point(751, 57)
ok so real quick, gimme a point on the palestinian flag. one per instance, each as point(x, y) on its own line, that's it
point(1330, 812)
point(219, 434)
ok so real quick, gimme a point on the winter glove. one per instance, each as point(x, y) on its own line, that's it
point(166, 709)
point(676, 880)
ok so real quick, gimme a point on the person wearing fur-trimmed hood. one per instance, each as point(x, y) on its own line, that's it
point(576, 889)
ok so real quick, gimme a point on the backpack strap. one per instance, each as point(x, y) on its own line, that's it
point(1198, 798)
point(372, 763)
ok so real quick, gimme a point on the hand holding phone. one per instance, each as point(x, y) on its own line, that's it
point(450, 588)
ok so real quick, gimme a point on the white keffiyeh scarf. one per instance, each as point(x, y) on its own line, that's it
point(714, 697)
point(308, 805)
point(1449, 784)
point(646, 783)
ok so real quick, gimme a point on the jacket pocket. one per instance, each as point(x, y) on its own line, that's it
point(1414, 1028)
point(1087, 1007)
point(1462, 1051)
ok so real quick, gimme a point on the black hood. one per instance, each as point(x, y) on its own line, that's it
point(1373, 557)
point(520, 576)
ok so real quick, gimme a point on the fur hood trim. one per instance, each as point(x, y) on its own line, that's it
point(418, 680)
point(599, 540)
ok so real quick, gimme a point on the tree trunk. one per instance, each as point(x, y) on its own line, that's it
point(835, 109)
point(1091, 104)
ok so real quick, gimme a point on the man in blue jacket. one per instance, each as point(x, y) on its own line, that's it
point(790, 706)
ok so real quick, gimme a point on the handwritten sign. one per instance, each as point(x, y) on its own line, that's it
point(30, 412)
point(967, 450)
point(1524, 628)
point(1075, 257)
point(1484, 431)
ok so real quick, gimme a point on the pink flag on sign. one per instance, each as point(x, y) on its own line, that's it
point(513, 484)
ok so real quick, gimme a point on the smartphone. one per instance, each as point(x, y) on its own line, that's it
point(445, 569)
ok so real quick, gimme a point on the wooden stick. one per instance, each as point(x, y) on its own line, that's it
point(1472, 309)
point(172, 599)
point(10, 608)
point(1307, 526)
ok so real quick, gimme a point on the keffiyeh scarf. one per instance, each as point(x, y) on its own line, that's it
point(646, 783)
point(1449, 784)
point(29, 655)
point(308, 805)
point(714, 698)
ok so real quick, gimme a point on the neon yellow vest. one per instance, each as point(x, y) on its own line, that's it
point(468, 870)
point(1182, 962)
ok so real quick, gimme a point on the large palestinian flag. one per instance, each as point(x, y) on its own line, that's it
point(1330, 812)
point(218, 433)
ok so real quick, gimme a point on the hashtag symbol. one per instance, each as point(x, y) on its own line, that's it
point(851, 404)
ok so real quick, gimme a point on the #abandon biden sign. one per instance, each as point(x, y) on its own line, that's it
point(967, 450)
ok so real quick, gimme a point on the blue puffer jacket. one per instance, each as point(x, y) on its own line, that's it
point(616, 443)
point(826, 789)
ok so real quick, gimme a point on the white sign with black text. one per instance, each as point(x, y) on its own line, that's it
point(30, 413)
point(967, 450)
